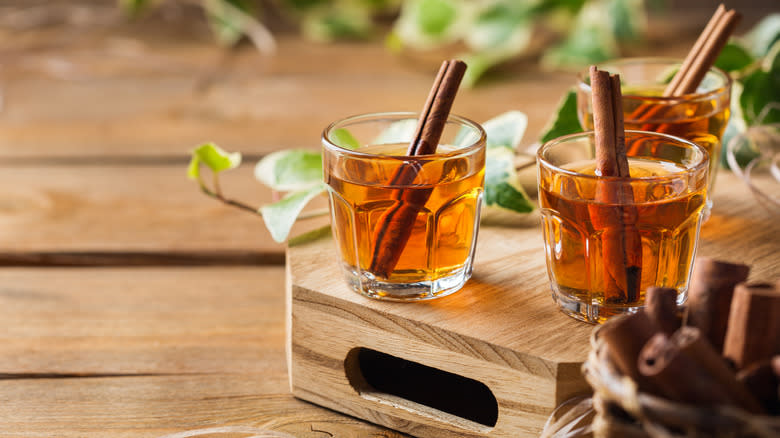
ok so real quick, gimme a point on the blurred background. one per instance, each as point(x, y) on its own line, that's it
point(151, 78)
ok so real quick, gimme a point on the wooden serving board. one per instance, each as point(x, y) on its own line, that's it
point(492, 360)
point(501, 330)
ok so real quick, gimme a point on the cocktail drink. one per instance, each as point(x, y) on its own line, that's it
point(590, 238)
point(699, 117)
point(405, 226)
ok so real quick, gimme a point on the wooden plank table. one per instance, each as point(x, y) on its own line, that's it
point(133, 306)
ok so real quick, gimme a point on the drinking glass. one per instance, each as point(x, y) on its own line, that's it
point(699, 117)
point(607, 239)
point(405, 226)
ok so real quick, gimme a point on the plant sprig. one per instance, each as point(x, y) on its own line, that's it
point(491, 31)
point(298, 173)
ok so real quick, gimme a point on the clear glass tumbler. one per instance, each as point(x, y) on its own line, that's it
point(607, 239)
point(405, 226)
point(699, 117)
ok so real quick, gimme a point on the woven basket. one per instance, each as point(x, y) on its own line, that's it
point(623, 412)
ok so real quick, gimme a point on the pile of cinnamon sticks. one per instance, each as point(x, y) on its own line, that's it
point(722, 349)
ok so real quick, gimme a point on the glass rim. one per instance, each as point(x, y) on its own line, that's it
point(726, 86)
point(703, 164)
point(396, 116)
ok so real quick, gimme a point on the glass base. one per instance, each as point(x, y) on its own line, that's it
point(368, 285)
point(595, 312)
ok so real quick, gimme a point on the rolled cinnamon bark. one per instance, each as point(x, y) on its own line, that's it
point(685, 368)
point(614, 214)
point(709, 296)
point(753, 332)
point(395, 225)
point(675, 375)
point(692, 341)
point(625, 337)
point(762, 381)
point(661, 306)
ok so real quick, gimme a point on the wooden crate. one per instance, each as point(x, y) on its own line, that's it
point(492, 360)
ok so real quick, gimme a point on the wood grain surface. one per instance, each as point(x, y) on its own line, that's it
point(129, 209)
point(131, 352)
point(260, 104)
point(98, 115)
point(502, 329)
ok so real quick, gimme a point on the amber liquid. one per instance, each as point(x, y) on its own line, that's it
point(699, 121)
point(444, 231)
point(667, 218)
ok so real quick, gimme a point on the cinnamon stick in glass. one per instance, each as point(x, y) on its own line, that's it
point(709, 296)
point(395, 224)
point(615, 215)
point(696, 64)
point(753, 332)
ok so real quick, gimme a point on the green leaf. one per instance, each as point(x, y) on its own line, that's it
point(501, 186)
point(435, 16)
point(761, 91)
point(303, 5)
point(393, 42)
point(771, 62)
point(733, 57)
point(564, 120)
point(506, 129)
point(193, 170)
point(499, 33)
point(495, 25)
point(214, 157)
point(343, 138)
point(290, 170)
point(280, 216)
point(571, 6)
point(479, 63)
point(425, 24)
point(763, 35)
point(226, 20)
point(591, 40)
point(627, 19)
point(737, 124)
point(337, 22)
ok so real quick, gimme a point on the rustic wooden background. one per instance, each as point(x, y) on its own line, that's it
point(130, 304)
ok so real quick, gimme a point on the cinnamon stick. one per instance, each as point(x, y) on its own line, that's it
point(695, 51)
point(625, 337)
point(613, 213)
point(763, 382)
point(709, 296)
point(696, 64)
point(687, 369)
point(753, 332)
point(724, 26)
point(661, 306)
point(693, 342)
point(395, 224)
point(676, 375)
